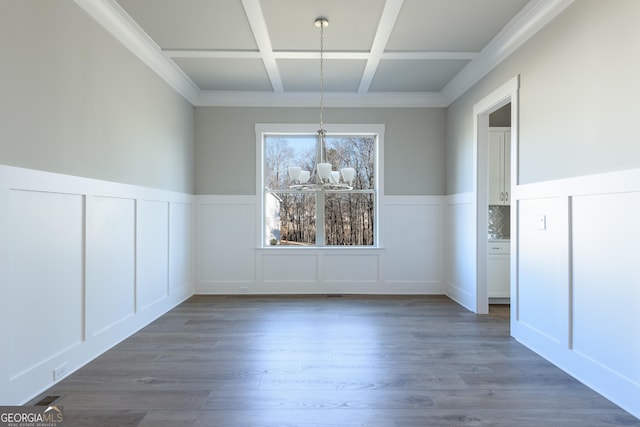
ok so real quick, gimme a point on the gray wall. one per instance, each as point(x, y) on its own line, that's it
point(414, 145)
point(75, 101)
point(579, 89)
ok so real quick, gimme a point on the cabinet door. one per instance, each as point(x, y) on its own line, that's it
point(496, 167)
point(499, 166)
point(506, 155)
point(498, 276)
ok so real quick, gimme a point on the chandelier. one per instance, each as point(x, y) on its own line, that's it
point(322, 177)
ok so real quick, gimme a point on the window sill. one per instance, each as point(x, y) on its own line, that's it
point(320, 248)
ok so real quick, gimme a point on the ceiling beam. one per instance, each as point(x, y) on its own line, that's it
point(331, 99)
point(316, 55)
point(385, 26)
point(252, 54)
point(209, 53)
point(261, 34)
point(438, 56)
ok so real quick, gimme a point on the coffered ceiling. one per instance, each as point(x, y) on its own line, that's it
point(377, 52)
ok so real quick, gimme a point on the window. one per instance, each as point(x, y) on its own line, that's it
point(309, 217)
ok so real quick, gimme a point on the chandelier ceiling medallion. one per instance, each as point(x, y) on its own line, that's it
point(322, 177)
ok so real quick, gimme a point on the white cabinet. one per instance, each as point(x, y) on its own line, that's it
point(499, 166)
point(498, 269)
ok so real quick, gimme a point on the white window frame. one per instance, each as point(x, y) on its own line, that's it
point(312, 129)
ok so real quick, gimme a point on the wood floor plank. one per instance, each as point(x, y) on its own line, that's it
point(362, 381)
point(364, 417)
point(267, 361)
point(131, 400)
point(101, 418)
point(314, 399)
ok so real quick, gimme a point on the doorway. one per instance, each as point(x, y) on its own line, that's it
point(504, 97)
point(499, 209)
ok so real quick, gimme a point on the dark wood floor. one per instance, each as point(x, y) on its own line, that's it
point(327, 361)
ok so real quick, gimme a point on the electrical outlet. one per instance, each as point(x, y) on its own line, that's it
point(60, 371)
point(244, 290)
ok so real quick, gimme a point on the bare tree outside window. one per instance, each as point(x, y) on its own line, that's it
point(291, 216)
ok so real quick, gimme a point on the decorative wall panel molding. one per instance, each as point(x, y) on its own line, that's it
point(577, 294)
point(460, 250)
point(45, 273)
point(152, 252)
point(231, 261)
point(85, 263)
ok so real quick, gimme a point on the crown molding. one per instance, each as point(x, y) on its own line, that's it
point(312, 99)
point(114, 19)
point(521, 28)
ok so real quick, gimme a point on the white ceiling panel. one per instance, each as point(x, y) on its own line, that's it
point(415, 76)
point(451, 25)
point(409, 52)
point(226, 74)
point(193, 24)
point(352, 24)
point(304, 75)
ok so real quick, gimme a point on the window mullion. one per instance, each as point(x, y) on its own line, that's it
point(320, 218)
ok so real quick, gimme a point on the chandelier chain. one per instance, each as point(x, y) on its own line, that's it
point(322, 25)
point(325, 178)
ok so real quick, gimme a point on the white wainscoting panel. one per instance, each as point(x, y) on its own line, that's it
point(413, 233)
point(350, 268)
point(460, 243)
point(543, 267)
point(110, 262)
point(152, 252)
point(606, 281)
point(6, 326)
point(181, 230)
point(230, 259)
point(578, 299)
point(46, 254)
point(289, 267)
point(75, 256)
point(226, 240)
